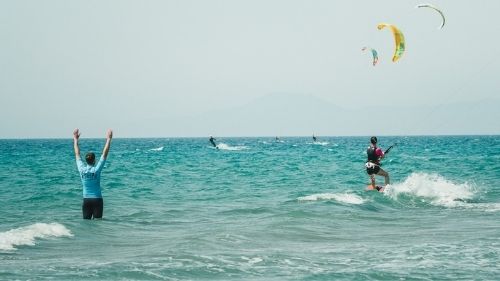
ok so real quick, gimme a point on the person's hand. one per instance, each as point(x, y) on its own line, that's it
point(109, 134)
point(76, 134)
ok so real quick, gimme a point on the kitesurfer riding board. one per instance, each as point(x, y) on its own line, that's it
point(375, 155)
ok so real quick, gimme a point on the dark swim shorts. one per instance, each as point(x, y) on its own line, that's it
point(92, 207)
point(372, 169)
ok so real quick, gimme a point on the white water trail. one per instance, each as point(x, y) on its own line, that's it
point(347, 198)
point(223, 146)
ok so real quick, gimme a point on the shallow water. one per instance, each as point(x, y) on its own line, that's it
point(255, 209)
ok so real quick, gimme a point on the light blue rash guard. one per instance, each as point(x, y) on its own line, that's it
point(91, 178)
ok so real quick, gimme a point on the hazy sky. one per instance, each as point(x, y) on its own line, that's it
point(145, 67)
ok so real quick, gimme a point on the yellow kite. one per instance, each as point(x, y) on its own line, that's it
point(398, 38)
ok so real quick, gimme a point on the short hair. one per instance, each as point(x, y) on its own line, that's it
point(90, 158)
point(373, 140)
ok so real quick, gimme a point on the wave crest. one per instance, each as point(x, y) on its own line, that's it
point(435, 188)
point(27, 235)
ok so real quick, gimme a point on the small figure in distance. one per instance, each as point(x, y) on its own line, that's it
point(90, 174)
point(315, 138)
point(212, 141)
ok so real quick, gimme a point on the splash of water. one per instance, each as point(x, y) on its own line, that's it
point(432, 188)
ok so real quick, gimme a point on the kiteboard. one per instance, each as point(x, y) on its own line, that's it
point(377, 187)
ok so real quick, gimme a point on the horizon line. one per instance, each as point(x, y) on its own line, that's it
point(263, 136)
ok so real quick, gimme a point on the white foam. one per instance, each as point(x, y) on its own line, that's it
point(488, 207)
point(252, 261)
point(223, 146)
point(347, 198)
point(27, 235)
point(432, 188)
point(482, 207)
point(322, 143)
point(157, 149)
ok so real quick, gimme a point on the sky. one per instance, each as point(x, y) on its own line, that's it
point(193, 68)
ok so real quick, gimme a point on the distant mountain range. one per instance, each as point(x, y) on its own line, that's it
point(299, 115)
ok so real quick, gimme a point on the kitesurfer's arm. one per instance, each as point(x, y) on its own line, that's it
point(76, 136)
point(389, 149)
point(380, 153)
point(109, 136)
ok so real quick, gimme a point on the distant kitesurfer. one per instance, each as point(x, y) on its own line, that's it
point(314, 138)
point(90, 174)
point(212, 141)
point(375, 154)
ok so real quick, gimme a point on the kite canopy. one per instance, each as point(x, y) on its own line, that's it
point(374, 54)
point(435, 9)
point(398, 38)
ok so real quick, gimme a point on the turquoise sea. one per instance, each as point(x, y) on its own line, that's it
point(256, 209)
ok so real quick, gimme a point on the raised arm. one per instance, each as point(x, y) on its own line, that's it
point(109, 136)
point(76, 136)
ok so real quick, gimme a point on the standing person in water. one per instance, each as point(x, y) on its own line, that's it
point(212, 141)
point(375, 154)
point(90, 174)
point(314, 138)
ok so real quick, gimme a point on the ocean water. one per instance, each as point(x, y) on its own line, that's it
point(256, 209)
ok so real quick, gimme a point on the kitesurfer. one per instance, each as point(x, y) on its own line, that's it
point(212, 141)
point(375, 154)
